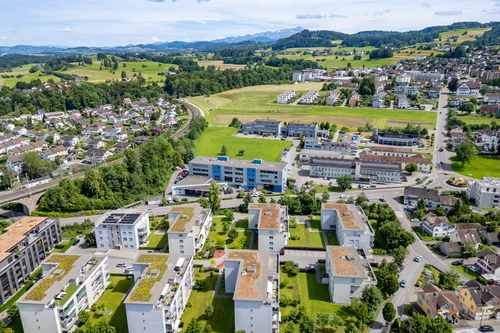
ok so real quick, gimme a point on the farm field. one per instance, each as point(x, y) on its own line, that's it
point(248, 104)
point(219, 64)
point(27, 76)
point(212, 139)
point(480, 167)
point(470, 36)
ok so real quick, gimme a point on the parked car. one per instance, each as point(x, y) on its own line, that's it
point(382, 199)
point(418, 259)
point(457, 263)
point(76, 242)
point(473, 268)
point(184, 199)
point(121, 264)
point(176, 199)
point(415, 220)
point(486, 328)
point(402, 284)
point(373, 186)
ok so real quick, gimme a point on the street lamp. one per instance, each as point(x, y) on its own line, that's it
point(482, 315)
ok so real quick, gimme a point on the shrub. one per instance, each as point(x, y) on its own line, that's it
point(111, 286)
point(189, 305)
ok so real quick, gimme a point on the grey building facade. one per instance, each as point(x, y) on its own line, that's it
point(263, 127)
point(296, 129)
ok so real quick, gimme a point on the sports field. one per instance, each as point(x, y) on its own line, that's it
point(248, 104)
point(481, 166)
point(470, 36)
point(27, 76)
point(213, 138)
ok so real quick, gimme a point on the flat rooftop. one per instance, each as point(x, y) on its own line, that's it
point(350, 217)
point(256, 270)
point(60, 270)
point(120, 216)
point(269, 215)
point(345, 262)
point(188, 219)
point(158, 279)
point(320, 153)
point(17, 232)
point(489, 181)
point(262, 165)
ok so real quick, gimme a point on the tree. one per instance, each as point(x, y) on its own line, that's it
point(360, 310)
point(262, 198)
point(372, 297)
point(247, 199)
point(351, 328)
point(100, 327)
point(307, 325)
point(207, 329)
point(411, 168)
point(290, 268)
point(35, 167)
point(220, 242)
point(33, 69)
point(399, 255)
point(325, 197)
point(209, 311)
point(470, 248)
point(90, 239)
point(344, 182)
point(449, 280)
point(229, 215)
point(235, 123)
point(83, 317)
point(223, 150)
point(232, 234)
point(241, 152)
point(389, 312)
point(467, 107)
point(466, 152)
point(323, 320)
point(214, 196)
point(8, 330)
point(204, 202)
point(124, 74)
point(13, 312)
point(194, 327)
point(361, 198)
point(387, 281)
point(453, 84)
point(367, 86)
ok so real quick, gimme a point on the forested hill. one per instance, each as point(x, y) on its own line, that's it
point(324, 38)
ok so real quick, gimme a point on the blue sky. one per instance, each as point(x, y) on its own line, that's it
point(122, 22)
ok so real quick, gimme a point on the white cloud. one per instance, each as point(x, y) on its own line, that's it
point(156, 39)
point(380, 13)
point(66, 30)
point(426, 5)
point(3, 37)
point(448, 13)
point(319, 16)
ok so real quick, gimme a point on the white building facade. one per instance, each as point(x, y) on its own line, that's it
point(485, 192)
point(122, 229)
point(189, 228)
point(271, 222)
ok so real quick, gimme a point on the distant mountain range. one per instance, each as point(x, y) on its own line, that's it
point(245, 41)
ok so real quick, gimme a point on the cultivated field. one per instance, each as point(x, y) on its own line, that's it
point(27, 76)
point(248, 104)
point(219, 64)
point(470, 36)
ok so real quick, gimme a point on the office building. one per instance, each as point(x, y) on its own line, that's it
point(70, 284)
point(306, 155)
point(367, 172)
point(271, 223)
point(297, 129)
point(349, 223)
point(122, 229)
point(23, 246)
point(163, 283)
point(394, 139)
point(348, 273)
point(264, 127)
point(253, 277)
point(484, 192)
point(257, 174)
point(189, 227)
point(423, 163)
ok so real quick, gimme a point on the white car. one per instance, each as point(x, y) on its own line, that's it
point(414, 220)
point(418, 259)
point(473, 268)
point(121, 264)
point(343, 196)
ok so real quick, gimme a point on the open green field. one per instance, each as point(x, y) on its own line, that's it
point(248, 104)
point(480, 167)
point(474, 119)
point(27, 76)
point(213, 138)
point(112, 299)
point(470, 36)
point(222, 321)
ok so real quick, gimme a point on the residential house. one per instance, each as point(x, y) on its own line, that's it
point(405, 89)
point(92, 131)
point(437, 226)
point(134, 128)
point(122, 229)
point(490, 110)
point(55, 136)
point(353, 101)
point(466, 236)
point(403, 102)
point(492, 98)
point(469, 89)
point(271, 223)
point(70, 140)
point(479, 301)
point(189, 228)
point(488, 263)
point(431, 198)
point(95, 143)
point(435, 302)
point(15, 163)
point(97, 156)
point(348, 273)
point(377, 102)
point(122, 146)
point(451, 248)
point(253, 277)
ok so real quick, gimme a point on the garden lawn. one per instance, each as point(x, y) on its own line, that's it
point(17, 325)
point(332, 238)
point(74, 234)
point(480, 167)
point(212, 235)
point(475, 119)
point(213, 138)
point(250, 103)
point(309, 239)
point(113, 301)
point(312, 295)
point(242, 224)
point(241, 234)
point(222, 321)
point(462, 270)
point(320, 188)
point(422, 235)
point(157, 241)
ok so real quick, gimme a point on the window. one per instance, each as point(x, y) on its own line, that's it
point(353, 280)
point(182, 251)
point(181, 241)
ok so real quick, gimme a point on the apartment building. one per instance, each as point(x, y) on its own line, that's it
point(479, 301)
point(122, 229)
point(271, 223)
point(253, 277)
point(423, 163)
point(163, 283)
point(247, 174)
point(264, 127)
point(485, 192)
point(310, 97)
point(333, 97)
point(350, 224)
point(23, 246)
point(70, 284)
point(348, 273)
point(436, 302)
point(189, 227)
point(286, 96)
point(394, 139)
point(361, 171)
point(437, 226)
point(326, 145)
point(305, 129)
point(405, 88)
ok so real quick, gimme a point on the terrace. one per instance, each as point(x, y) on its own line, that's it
point(186, 215)
point(158, 266)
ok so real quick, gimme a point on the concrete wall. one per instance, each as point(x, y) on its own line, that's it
point(144, 318)
point(36, 319)
point(181, 243)
point(252, 316)
point(231, 274)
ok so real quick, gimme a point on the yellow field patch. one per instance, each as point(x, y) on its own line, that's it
point(219, 64)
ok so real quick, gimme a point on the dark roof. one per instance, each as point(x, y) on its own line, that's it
point(448, 200)
point(420, 192)
point(438, 298)
point(96, 152)
point(492, 257)
point(482, 294)
point(469, 236)
point(493, 237)
point(465, 226)
point(452, 247)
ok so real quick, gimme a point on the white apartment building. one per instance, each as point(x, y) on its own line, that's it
point(348, 273)
point(253, 278)
point(286, 96)
point(310, 97)
point(257, 174)
point(327, 145)
point(484, 192)
point(350, 224)
point(437, 226)
point(70, 284)
point(122, 229)
point(333, 97)
point(403, 102)
point(163, 283)
point(405, 88)
point(189, 227)
point(271, 223)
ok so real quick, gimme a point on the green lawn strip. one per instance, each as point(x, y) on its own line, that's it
point(326, 188)
point(480, 167)
point(423, 235)
point(332, 238)
point(309, 239)
point(112, 299)
point(16, 325)
point(156, 241)
point(215, 231)
point(213, 138)
point(464, 271)
point(312, 295)
point(241, 234)
point(222, 321)
point(242, 224)
point(74, 234)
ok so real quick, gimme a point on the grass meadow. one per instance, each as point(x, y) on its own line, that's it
point(480, 167)
point(470, 36)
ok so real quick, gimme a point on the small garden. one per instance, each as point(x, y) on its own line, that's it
point(222, 233)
